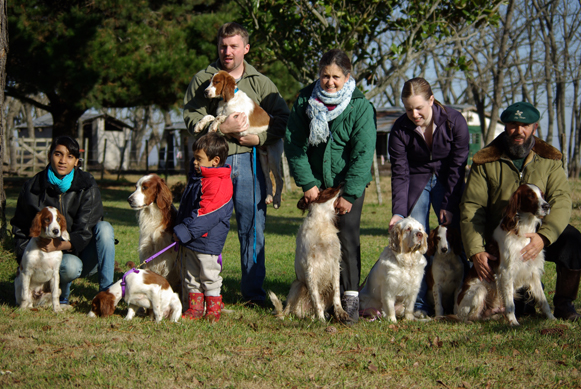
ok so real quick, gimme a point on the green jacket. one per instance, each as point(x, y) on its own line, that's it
point(345, 157)
point(256, 85)
point(494, 178)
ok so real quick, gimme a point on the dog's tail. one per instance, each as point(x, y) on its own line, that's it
point(277, 304)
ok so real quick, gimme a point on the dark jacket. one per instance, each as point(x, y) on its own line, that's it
point(81, 205)
point(412, 163)
point(345, 157)
point(206, 206)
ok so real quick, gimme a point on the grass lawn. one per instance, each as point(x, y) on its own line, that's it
point(249, 348)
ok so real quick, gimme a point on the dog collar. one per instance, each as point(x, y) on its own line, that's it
point(123, 282)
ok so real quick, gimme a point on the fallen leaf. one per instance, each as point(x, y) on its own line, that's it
point(511, 369)
point(312, 377)
point(488, 384)
point(416, 364)
point(248, 340)
point(493, 349)
point(537, 351)
point(442, 383)
point(372, 367)
point(46, 328)
point(466, 385)
point(515, 353)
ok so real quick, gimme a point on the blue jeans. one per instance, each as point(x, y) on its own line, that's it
point(248, 194)
point(98, 256)
point(433, 194)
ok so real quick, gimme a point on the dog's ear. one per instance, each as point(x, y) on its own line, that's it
point(302, 204)
point(424, 245)
point(229, 88)
point(36, 226)
point(103, 304)
point(164, 197)
point(432, 242)
point(63, 223)
point(395, 238)
point(510, 220)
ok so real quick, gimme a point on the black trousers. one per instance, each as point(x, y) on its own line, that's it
point(566, 250)
point(349, 231)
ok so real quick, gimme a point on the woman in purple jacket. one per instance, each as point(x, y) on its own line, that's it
point(428, 149)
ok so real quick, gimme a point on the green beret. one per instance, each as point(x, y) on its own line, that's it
point(522, 112)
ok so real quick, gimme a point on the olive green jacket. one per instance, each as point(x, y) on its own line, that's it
point(347, 155)
point(494, 178)
point(256, 85)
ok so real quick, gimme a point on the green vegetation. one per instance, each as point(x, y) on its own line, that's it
point(249, 348)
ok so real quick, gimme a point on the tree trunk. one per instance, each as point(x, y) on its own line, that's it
point(3, 55)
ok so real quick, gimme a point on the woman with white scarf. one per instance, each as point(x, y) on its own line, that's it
point(330, 139)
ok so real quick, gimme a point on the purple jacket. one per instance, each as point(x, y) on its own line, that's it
point(412, 164)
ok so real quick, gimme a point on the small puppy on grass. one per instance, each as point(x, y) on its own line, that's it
point(140, 289)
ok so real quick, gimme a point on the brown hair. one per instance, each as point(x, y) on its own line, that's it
point(418, 87)
point(213, 145)
point(231, 29)
point(337, 57)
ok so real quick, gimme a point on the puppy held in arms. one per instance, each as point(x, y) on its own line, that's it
point(393, 283)
point(139, 288)
point(317, 262)
point(233, 100)
point(37, 278)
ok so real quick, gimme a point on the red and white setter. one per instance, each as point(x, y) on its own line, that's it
point(139, 289)
point(223, 85)
point(37, 279)
point(444, 276)
point(523, 215)
point(156, 216)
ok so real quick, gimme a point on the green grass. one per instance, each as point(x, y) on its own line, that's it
point(251, 349)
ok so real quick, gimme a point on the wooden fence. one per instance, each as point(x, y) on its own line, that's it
point(32, 154)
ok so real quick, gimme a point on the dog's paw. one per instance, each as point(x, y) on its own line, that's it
point(268, 199)
point(341, 315)
point(419, 314)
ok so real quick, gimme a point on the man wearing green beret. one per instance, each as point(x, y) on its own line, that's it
point(518, 157)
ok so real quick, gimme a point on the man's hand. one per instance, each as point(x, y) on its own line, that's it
point(234, 124)
point(342, 206)
point(249, 140)
point(393, 221)
point(311, 194)
point(483, 270)
point(445, 217)
point(49, 245)
point(535, 246)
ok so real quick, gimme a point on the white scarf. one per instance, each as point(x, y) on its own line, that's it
point(320, 114)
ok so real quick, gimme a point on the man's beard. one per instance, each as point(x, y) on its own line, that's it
point(519, 151)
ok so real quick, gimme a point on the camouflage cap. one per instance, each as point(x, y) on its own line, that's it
point(522, 112)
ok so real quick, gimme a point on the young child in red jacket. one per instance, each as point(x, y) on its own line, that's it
point(202, 226)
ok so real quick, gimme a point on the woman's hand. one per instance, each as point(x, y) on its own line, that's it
point(342, 206)
point(394, 220)
point(311, 194)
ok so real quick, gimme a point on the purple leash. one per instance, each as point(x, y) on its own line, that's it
point(134, 270)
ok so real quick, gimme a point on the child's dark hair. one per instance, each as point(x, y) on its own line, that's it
point(214, 145)
point(69, 143)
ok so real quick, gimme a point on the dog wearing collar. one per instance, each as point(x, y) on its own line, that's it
point(139, 288)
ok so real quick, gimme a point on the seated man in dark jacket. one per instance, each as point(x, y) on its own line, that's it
point(76, 195)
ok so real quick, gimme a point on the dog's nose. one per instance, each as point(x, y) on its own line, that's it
point(207, 93)
point(546, 207)
point(444, 250)
point(55, 231)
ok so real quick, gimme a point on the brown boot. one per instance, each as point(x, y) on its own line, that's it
point(566, 293)
point(196, 309)
point(214, 306)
